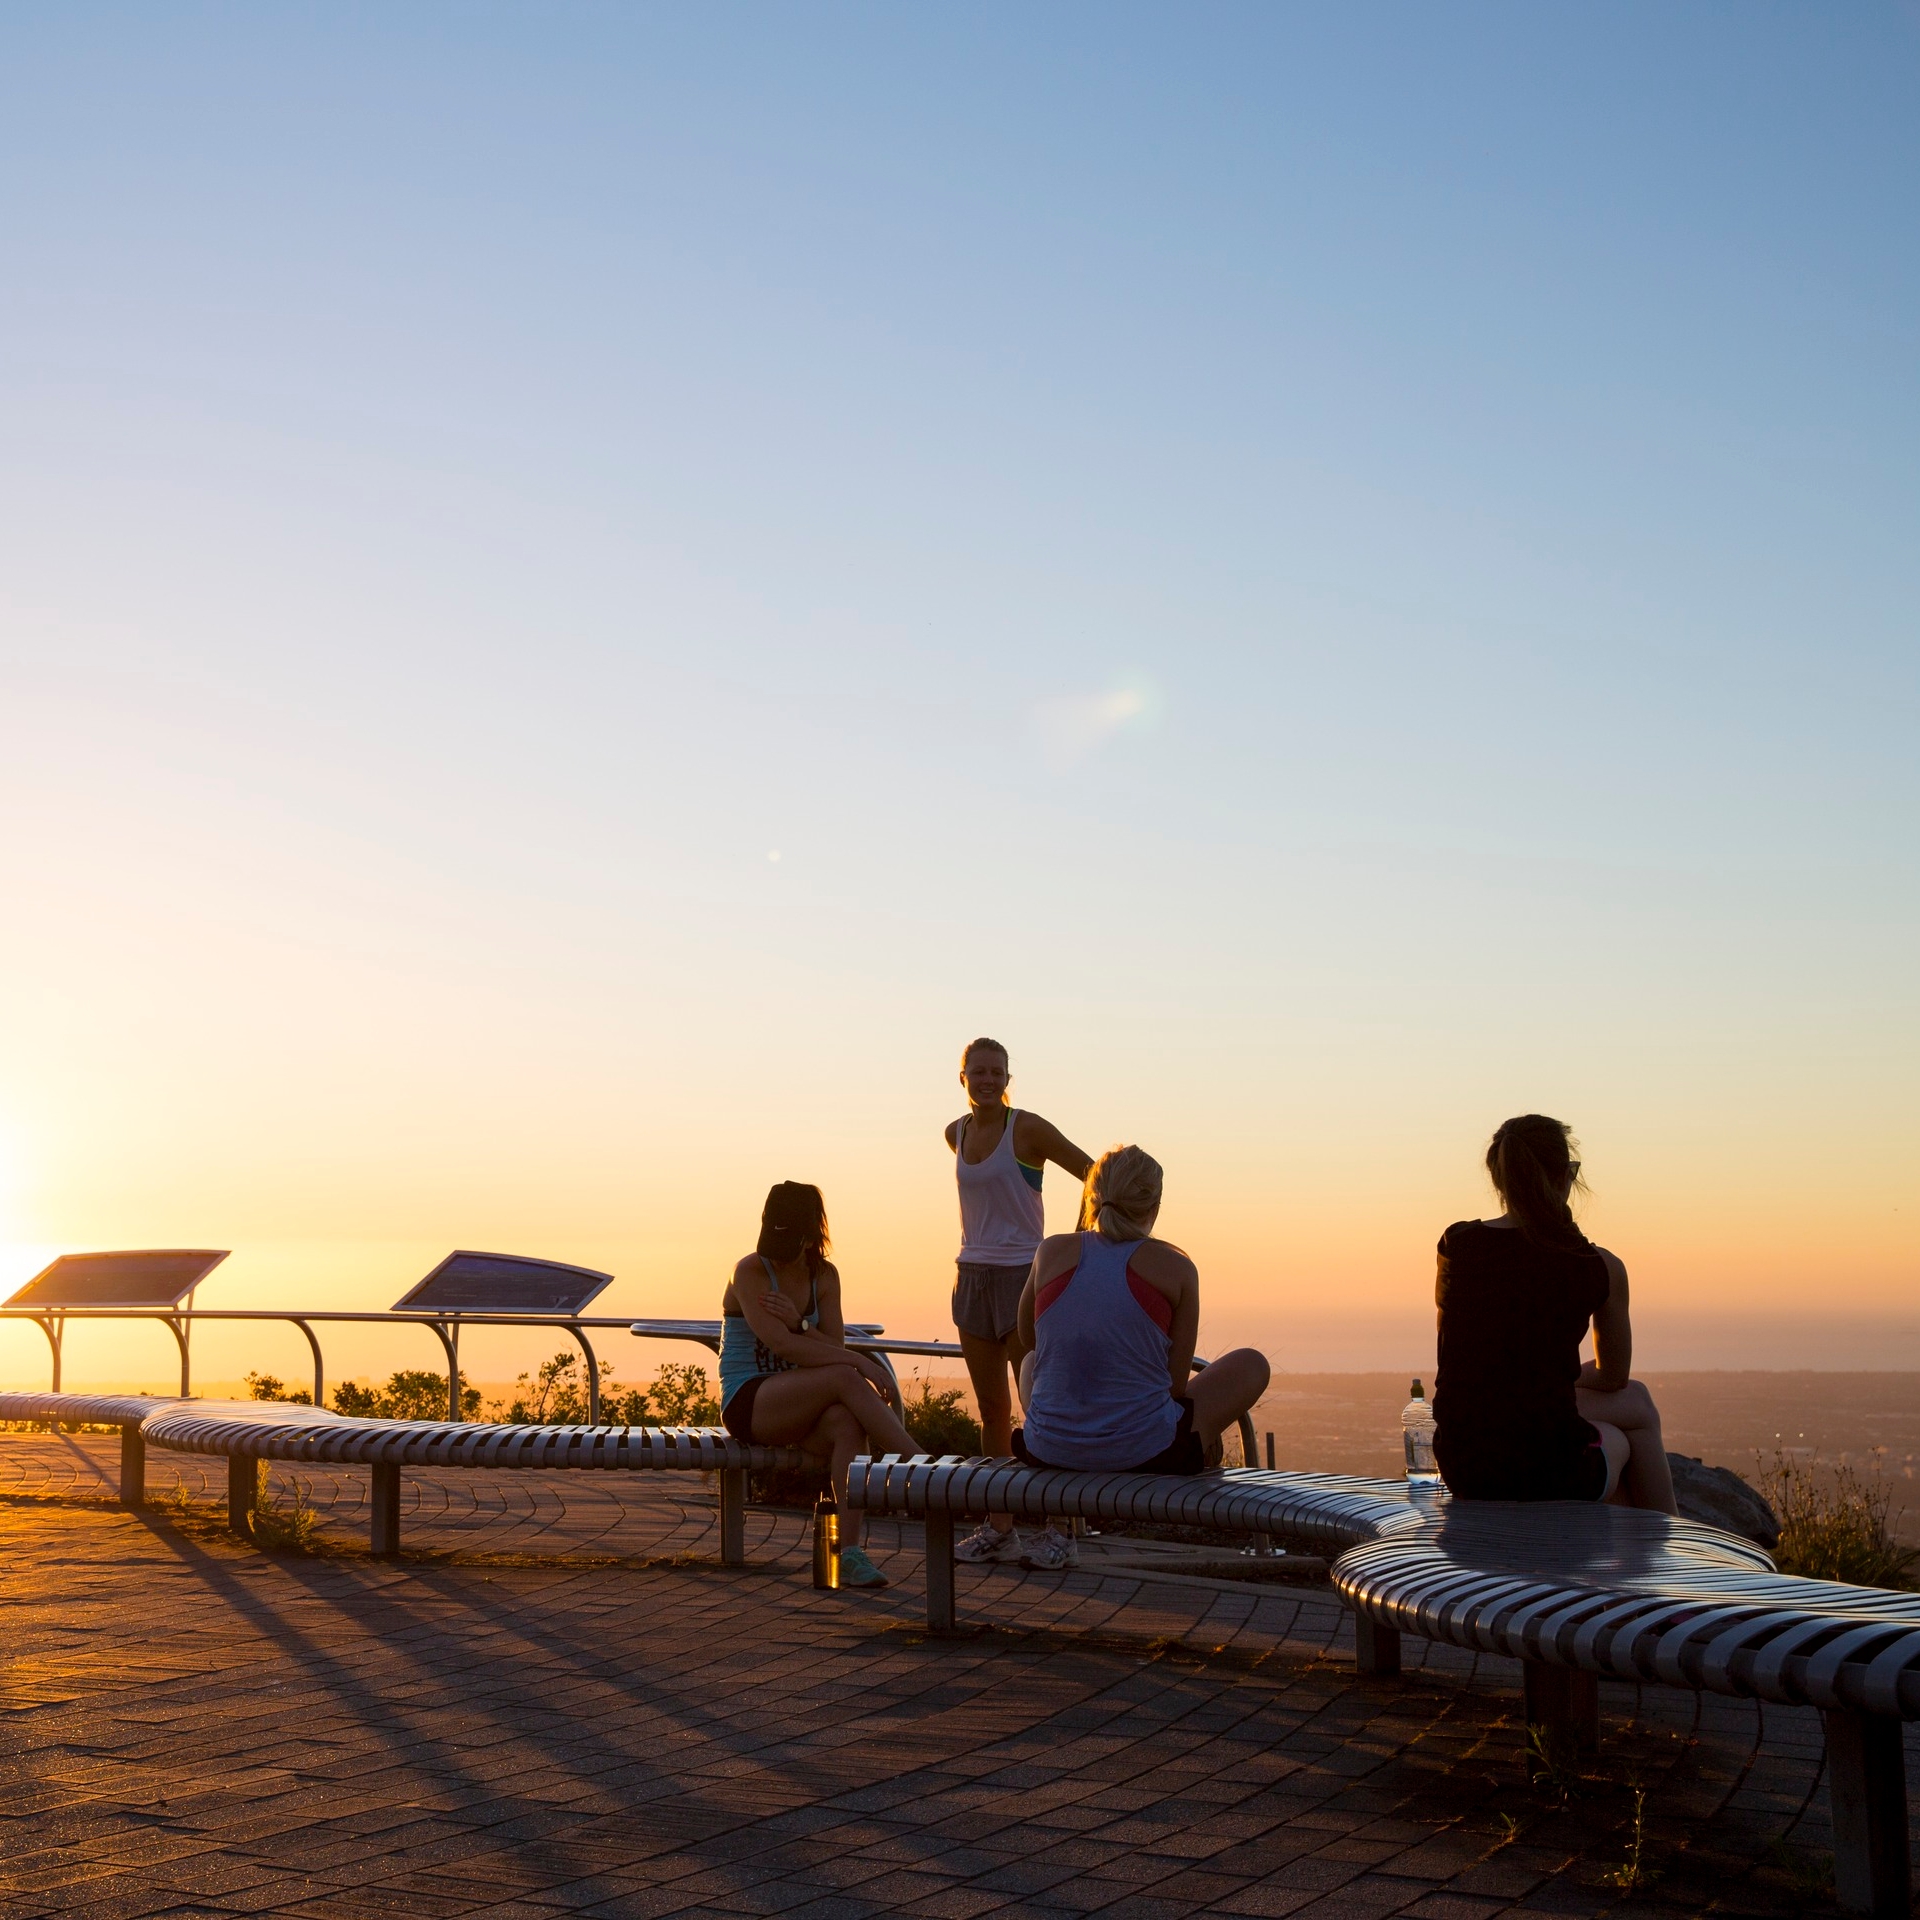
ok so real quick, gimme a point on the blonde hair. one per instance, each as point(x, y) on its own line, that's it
point(1122, 1194)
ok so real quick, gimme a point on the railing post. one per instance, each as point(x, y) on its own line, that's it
point(593, 1386)
point(1376, 1649)
point(243, 1492)
point(383, 1500)
point(940, 1606)
point(133, 1467)
point(1867, 1784)
point(733, 1516)
point(319, 1366)
point(55, 1328)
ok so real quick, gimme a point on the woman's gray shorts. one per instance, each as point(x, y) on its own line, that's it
point(986, 1300)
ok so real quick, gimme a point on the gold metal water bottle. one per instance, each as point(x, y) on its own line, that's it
point(826, 1543)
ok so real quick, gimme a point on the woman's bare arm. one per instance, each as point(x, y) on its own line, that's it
point(1044, 1141)
point(1058, 1254)
point(1612, 1363)
point(1185, 1329)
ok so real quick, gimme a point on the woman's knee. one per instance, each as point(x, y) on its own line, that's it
point(1636, 1403)
point(846, 1380)
point(838, 1427)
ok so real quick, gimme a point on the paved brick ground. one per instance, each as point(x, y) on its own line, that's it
point(192, 1727)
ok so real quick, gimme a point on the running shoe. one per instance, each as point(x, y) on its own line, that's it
point(856, 1570)
point(1049, 1552)
point(986, 1542)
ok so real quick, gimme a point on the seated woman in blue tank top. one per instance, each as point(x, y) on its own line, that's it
point(787, 1375)
point(1518, 1417)
point(1112, 1315)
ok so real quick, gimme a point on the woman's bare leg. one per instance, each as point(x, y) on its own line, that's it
point(837, 1435)
point(988, 1362)
point(1226, 1388)
point(1648, 1481)
point(830, 1411)
point(787, 1407)
point(1615, 1445)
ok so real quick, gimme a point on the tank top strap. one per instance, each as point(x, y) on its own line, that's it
point(811, 1313)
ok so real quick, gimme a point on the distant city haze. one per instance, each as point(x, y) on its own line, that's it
point(585, 595)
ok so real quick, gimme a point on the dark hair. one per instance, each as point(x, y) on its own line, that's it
point(1530, 1161)
point(793, 1205)
point(992, 1046)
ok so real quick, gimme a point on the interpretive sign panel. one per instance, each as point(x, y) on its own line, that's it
point(151, 1278)
point(503, 1283)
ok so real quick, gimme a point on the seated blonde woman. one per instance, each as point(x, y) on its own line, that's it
point(1111, 1315)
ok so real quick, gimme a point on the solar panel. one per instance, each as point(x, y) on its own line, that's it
point(504, 1283)
point(152, 1278)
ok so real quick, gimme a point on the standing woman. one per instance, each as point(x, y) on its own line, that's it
point(1518, 1417)
point(787, 1375)
point(999, 1155)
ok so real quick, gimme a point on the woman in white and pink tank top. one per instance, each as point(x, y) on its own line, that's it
point(999, 1155)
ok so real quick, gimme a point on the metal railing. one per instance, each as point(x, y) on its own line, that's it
point(864, 1336)
point(445, 1327)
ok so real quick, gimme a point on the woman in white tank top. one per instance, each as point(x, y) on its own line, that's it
point(999, 1155)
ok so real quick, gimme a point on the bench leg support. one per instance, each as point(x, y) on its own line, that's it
point(133, 1468)
point(384, 1502)
point(940, 1609)
point(1376, 1649)
point(733, 1516)
point(1867, 1780)
point(243, 1493)
point(1564, 1704)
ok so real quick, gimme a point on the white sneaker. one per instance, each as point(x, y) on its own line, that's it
point(1049, 1552)
point(986, 1542)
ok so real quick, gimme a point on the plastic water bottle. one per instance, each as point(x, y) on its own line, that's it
point(1416, 1426)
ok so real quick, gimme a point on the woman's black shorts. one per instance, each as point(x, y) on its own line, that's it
point(737, 1415)
point(1558, 1473)
point(1184, 1453)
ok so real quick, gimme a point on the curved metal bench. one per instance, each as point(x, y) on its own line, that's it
point(252, 1432)
point(1573, 1591)
point(123, 1410)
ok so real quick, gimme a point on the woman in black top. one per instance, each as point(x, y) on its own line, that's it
point(1518, 1416)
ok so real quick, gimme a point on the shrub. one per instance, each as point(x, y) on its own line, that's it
point(555, 1394)
point(411, 1394)
point(940, 1422)
point(681, 1397)
point(267, 1386)
point(1837, 1526)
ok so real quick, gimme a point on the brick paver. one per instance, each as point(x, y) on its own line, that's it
point(558, 1704)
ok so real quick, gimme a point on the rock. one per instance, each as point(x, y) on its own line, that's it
point(1720, 1498)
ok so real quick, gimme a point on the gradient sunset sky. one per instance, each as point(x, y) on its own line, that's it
point(589, 591)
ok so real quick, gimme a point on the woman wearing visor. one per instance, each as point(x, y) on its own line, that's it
point(787, 1375)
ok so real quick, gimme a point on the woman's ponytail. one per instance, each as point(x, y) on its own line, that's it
point(1122, 1194)
point(1530, 1161)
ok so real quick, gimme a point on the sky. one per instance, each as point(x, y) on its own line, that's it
point(586, 592)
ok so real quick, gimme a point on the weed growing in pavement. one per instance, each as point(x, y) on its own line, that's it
point(1547, 1763)
point(1633, 1874)
point(285, 1526)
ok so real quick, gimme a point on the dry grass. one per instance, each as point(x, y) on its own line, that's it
point(1837, 1523)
